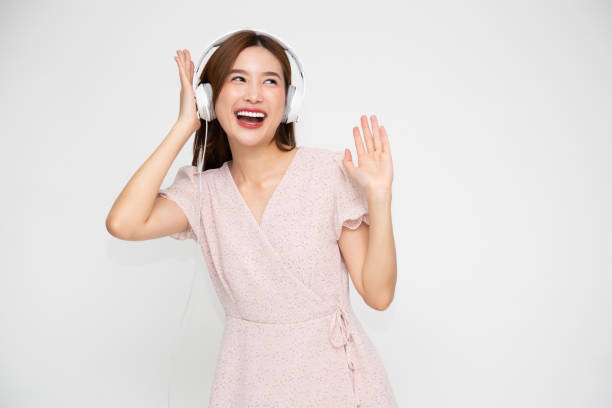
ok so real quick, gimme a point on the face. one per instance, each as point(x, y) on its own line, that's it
point(253, 85)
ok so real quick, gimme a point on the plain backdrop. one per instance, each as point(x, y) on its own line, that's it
point(498, 115)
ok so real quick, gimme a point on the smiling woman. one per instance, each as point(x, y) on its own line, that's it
point(269, 218)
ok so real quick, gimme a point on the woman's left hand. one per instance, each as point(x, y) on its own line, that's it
point(375, 169)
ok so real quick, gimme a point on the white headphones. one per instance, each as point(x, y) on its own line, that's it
point(204, 92)
point(204, 96)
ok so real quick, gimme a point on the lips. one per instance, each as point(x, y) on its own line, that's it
point(249, 122)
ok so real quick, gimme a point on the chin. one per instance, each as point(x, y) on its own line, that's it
point(250, 138)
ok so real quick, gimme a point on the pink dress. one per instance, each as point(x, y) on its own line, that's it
point(291, 338)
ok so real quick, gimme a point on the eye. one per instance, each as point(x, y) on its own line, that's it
point(236, 77)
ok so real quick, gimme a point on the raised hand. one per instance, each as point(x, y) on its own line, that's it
point(188, 110)
point(375, 169)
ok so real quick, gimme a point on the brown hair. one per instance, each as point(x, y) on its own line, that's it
point(215, 72)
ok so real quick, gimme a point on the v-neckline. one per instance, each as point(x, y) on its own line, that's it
point(278, 186)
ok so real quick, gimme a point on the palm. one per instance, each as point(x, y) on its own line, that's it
point(375, 168)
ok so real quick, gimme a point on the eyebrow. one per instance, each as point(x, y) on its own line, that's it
point(242, 71)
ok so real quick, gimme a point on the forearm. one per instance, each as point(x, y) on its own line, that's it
point(135, 202)
point(379, 273)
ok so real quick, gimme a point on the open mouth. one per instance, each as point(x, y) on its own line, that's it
point(250, 119)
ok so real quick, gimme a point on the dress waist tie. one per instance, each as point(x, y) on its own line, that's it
point(341, 336)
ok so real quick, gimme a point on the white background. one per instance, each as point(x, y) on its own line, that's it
point(499, 122)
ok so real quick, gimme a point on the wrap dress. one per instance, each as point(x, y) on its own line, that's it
point(291, 338)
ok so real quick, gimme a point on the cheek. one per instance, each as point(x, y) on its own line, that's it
point(226, 97)
point(225, 101)
point(277, 98)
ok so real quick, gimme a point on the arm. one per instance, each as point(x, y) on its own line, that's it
point(138, 213)
point(369, 251)
point(128, 216)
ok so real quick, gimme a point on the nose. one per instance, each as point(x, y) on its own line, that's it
point(253, 92)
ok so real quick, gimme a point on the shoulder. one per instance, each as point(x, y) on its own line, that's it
point(184, 176)
point(325, 168)
point(188, 177)
point(324, 158)
point(192, 171)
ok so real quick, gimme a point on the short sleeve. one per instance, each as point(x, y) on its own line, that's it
point(184, 192)
point(350, 200)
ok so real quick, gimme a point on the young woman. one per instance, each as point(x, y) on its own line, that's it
point(281, 229)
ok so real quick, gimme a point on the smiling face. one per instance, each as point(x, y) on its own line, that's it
point(254, 83)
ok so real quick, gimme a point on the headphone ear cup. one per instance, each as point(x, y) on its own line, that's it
point(290, 105)
point(204, 96)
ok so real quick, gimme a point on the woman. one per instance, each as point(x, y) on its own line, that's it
point(281, 229)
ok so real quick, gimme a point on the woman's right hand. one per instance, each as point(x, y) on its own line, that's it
point(188, 111)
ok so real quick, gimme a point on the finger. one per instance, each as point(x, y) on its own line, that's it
point(358, 142)
point(348, 162)
point(366, 133)
point(375, 130)
point(181, 57)
point(181, 61)
point(191, 67)
point(385, 141)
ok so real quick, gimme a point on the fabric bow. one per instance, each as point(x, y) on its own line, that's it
point(339, 336)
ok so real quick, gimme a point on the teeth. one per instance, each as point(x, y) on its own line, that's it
point(252, 114)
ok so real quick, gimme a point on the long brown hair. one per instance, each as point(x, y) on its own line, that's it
point(215, 72)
